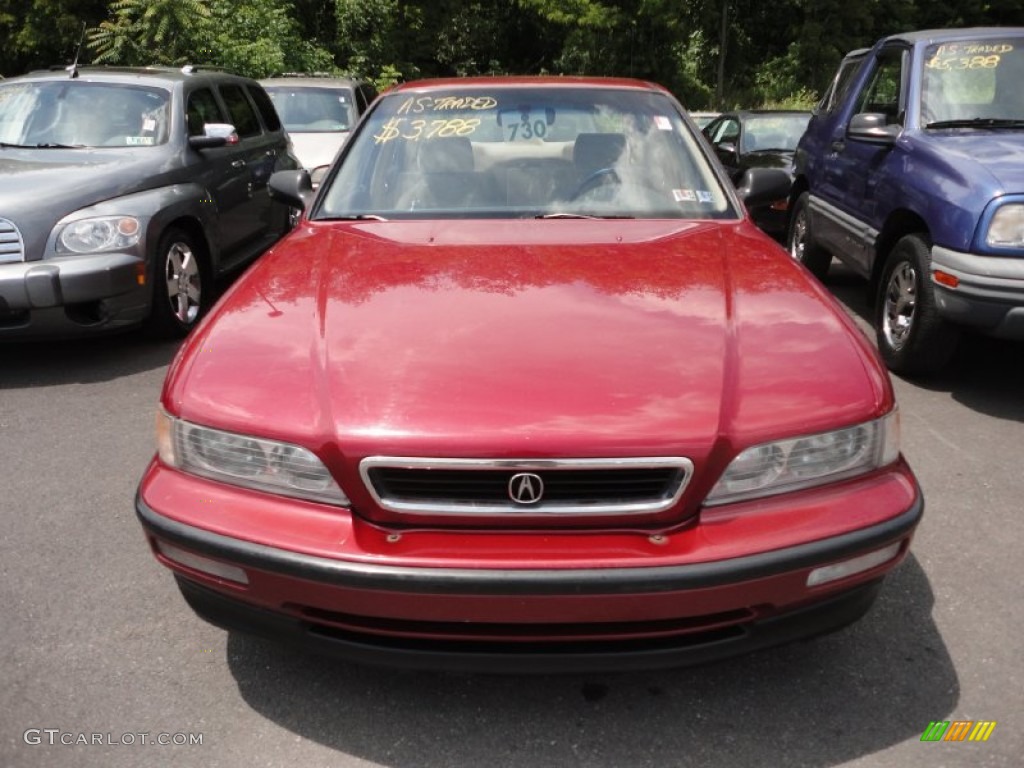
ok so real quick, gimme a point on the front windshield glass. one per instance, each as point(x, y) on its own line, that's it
point(519, 151)
point(73, 113)
point(313, 110)
point(774, 132)
point(973, 80)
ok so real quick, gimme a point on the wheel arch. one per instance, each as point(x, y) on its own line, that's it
point(900, 223)
point(194, 228)
point(800, 185)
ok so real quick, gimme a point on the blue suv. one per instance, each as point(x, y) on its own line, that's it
point(911, 172)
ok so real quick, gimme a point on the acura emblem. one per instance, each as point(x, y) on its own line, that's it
point(525, 488)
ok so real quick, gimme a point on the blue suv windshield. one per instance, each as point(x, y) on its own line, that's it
point(973, 83)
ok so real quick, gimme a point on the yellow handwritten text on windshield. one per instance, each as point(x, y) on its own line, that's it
point(419, 104)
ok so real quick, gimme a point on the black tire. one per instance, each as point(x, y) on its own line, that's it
point(912, 337)
point(800, 241)
point(181, 288)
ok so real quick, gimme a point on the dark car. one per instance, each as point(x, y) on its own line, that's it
point(318, 112)
point(911, 173)
point(703, 118)
point(759, 139)
point(124, 193)
point(526, 389)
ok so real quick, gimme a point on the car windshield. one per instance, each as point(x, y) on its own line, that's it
point(313, 110)
point(778, 132)
point(73, 113)
point(524, 151)
point(973, 83)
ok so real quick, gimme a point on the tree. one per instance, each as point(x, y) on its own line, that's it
point(153, 32)
point(40, 33)
point(257, 38)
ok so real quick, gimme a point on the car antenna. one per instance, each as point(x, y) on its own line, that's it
point(73, 67)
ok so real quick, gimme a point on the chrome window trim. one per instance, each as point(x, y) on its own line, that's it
point(455, 508)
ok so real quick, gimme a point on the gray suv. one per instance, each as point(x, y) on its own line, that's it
point(124, 194)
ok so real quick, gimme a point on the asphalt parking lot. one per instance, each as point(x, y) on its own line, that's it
point(99, 645)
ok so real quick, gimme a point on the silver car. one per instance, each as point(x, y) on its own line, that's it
point(318, 112)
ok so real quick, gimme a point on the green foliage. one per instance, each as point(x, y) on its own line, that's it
point(771, 53)
point(259, 38)
point(153, 32)
point(40, 33)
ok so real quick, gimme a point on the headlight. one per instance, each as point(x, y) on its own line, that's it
point(100, 233)
point(803, 462)
point(1006, 230)
point(251, 462)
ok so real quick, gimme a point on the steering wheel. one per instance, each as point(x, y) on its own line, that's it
point(598, 178)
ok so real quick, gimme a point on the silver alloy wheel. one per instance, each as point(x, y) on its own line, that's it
point(900, 303)
point(184, 287)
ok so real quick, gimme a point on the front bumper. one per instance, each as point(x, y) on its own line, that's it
point(72, 295)
point(990, 292)
point(530, 619)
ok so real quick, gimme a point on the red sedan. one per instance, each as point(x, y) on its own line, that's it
point(525, 389)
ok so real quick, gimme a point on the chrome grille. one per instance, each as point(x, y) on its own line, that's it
point(11, 246)
point(579, 487)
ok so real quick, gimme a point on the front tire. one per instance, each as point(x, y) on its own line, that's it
point(801, 243)
point(181, 294)
point(912, 337)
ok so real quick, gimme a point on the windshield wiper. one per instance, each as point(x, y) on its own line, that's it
point(978, 122)
point(561, 215)
point(49, 145)
point(355, 217)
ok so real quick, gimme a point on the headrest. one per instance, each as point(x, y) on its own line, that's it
point(452, 154)
point(593, 151)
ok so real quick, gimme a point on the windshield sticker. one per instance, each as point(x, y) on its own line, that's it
point(684, 195)
point(704, 196)
point(139, 141)
point(416, 105)
point(149, 124)
point(415, 130)
point(662, 123)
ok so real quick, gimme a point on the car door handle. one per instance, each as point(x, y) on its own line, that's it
point(238, 163)
point(838, 146)
point(271, 153)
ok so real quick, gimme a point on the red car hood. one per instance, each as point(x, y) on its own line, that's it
point(497, 339)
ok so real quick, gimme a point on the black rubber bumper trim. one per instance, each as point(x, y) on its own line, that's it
point(551, 658)
point(594, 581)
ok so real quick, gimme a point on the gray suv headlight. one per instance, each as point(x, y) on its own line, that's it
point(250, 462)
point(804, 462)
point(98, 234)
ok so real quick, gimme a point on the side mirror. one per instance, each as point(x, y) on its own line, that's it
point(727, 148)
point(761, 186)
point(214, 135)
point(292, 187)
point(318, 174)
point(874, 127)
